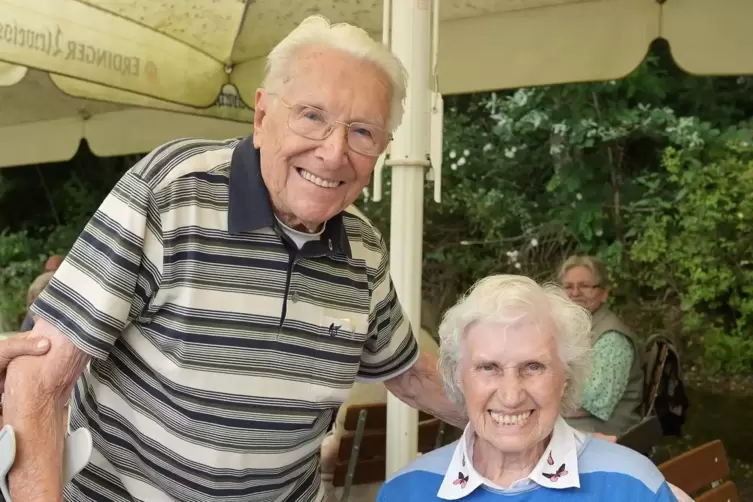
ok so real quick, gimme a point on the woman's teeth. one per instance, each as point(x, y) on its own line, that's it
point(316, 180)
point(506, 419)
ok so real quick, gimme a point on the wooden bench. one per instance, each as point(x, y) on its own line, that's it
point(702, 473)
point(361, 457)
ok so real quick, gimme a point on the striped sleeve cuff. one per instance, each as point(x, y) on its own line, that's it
point(389, 354)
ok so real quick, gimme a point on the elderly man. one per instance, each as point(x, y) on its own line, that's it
point(224, 298)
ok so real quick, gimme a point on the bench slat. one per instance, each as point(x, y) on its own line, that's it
point(697, 468)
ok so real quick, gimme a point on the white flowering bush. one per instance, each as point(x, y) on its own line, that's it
point(534, 175)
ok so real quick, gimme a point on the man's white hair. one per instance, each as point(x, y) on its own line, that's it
point(318, 31)
point(509, 300)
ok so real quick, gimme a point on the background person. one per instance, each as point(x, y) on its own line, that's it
point(613, 393)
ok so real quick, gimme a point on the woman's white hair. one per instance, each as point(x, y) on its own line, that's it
point(509, 300)
point(318, 31)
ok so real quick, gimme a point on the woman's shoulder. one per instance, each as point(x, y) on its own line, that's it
point(421, 477)
point(610, 463)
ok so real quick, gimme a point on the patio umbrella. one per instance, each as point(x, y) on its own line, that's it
point(185, 51)
point(40, 123)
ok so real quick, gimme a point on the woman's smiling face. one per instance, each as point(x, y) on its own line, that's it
point(513, 381)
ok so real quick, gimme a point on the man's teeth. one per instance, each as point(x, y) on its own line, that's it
point(316, 180)
point(505, 419)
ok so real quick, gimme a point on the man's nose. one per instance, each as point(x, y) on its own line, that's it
point(335, 146)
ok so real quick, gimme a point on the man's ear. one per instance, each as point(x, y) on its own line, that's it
point(261, 101)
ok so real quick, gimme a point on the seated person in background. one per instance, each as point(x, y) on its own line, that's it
point(53, 262)
point(613, 393)
point(50, 266)
point(513, 354)
point(36, 288)
point(370, 393)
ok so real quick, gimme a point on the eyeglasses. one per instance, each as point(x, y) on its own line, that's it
point(317, 124)
point(580, 287)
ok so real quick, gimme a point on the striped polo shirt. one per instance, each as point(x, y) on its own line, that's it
point(220, 350)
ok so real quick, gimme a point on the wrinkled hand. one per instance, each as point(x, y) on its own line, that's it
point(19, 345)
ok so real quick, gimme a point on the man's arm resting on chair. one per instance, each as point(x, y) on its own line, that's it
point(36, 391)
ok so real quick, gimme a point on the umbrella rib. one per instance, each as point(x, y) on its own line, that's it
point(150, 28)
point(241, 25)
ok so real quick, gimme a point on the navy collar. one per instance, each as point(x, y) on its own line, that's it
point(249, 207)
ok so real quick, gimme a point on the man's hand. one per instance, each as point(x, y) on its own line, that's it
point(19, 345)
point(422, 387)
point(605, 437)
point(579, 413)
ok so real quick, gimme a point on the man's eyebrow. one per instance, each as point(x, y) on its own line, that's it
point(320, 107)
point(314, 105)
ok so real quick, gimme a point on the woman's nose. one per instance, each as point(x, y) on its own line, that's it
point(511, 390)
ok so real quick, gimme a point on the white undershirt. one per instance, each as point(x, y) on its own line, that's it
point(298, 237)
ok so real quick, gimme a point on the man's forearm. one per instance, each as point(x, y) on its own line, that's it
point(36, 393)
point(422, 387)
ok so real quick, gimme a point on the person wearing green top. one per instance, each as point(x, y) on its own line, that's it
point(613, 395)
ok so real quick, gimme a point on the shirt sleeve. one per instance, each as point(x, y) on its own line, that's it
point(667, 494)
point(613, 358)
point(110, 273)
point(680, 495)
point(391, 347)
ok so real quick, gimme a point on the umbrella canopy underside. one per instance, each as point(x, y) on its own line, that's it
point(185, 51)
point(73, 69)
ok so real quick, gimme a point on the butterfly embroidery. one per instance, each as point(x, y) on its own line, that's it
point(557, 475)
point(462, 480)
point(550, 460)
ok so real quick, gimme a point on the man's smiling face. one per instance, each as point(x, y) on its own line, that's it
point(310, 181)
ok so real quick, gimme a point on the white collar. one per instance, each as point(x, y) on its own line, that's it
point(561, 455)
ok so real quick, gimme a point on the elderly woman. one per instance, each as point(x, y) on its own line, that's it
point(513, 355)
point(613, 394)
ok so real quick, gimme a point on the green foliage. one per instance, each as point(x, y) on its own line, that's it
point(694, 237)
point(650, 173)
point(20, 262)
point(42, 211)
point(533, 175)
